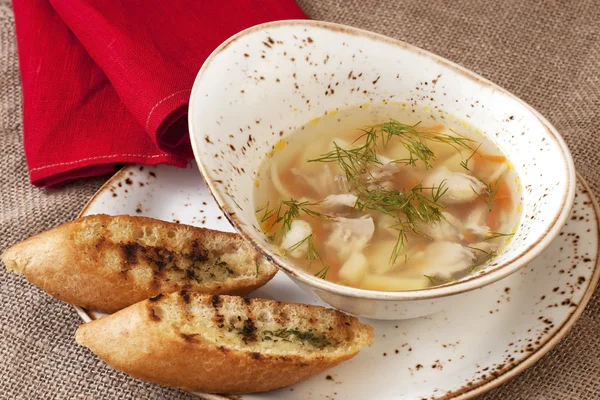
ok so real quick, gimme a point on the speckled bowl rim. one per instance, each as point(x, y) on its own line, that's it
point(464, 285)
point(465, 393)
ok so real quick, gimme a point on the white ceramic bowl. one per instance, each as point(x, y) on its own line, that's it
point(264, 82)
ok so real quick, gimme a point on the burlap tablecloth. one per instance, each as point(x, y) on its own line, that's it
point(546, 52)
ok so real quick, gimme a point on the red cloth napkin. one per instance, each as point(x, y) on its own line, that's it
point(108, 81)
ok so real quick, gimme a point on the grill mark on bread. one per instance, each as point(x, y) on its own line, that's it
point(158, 257)
point(153, 315)
point(223, 349)
point(281, 317)
point(191, 275)
point(190, 338)
point(185, 296)
point(313, 323)
point(198, 253)
point(130, 253)
point(160, 264)
point(248, 332)
point(218, 318)
point(156, 298)
point(100, 243)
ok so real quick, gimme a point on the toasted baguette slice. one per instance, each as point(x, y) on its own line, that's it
point(224, 344)
point(107, 263)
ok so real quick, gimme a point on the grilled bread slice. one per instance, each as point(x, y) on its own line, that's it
point(106, 263)
point(224, 344)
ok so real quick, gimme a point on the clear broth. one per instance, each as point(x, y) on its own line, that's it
point(473, 227)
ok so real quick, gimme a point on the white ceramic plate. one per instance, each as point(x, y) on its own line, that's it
point(493, 335)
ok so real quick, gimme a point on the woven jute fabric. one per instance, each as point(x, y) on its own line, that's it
point(547, 52)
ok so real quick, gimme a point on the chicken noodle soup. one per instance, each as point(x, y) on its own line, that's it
point(385, 199)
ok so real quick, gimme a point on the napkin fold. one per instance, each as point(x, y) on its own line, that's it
point(108, 81)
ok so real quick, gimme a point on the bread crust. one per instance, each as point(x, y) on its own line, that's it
point(150, 344)
point(105, 263)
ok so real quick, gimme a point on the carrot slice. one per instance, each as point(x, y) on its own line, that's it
point(430, 129)
point(411, 183)
point(491, 157)
point(503, 190)
point(470, 237)
point(268, 223)
point(494, 219)
point(318, 232)
point(437, 128)
point(502, 202)
point(404, 181)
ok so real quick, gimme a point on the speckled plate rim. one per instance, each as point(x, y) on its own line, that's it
point(565, 327)
point(483, 278)
point(470, 392)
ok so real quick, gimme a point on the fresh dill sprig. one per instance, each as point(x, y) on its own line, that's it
point(311, 253)
point(399, 245)
point(268, 212)
point(428, 210)
point(436, 280)
point(414, 204)
point(354, 161)
point(406, 135)
point(465, 163)
point(491, 188)
point(409, 209)
point(479, 262)
point(285, 213)
point(285, 218)
point(292, 212)
point(431, 279)
point(494, 235)
point(323, 272)
point(480, 250)
point(413, 140)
